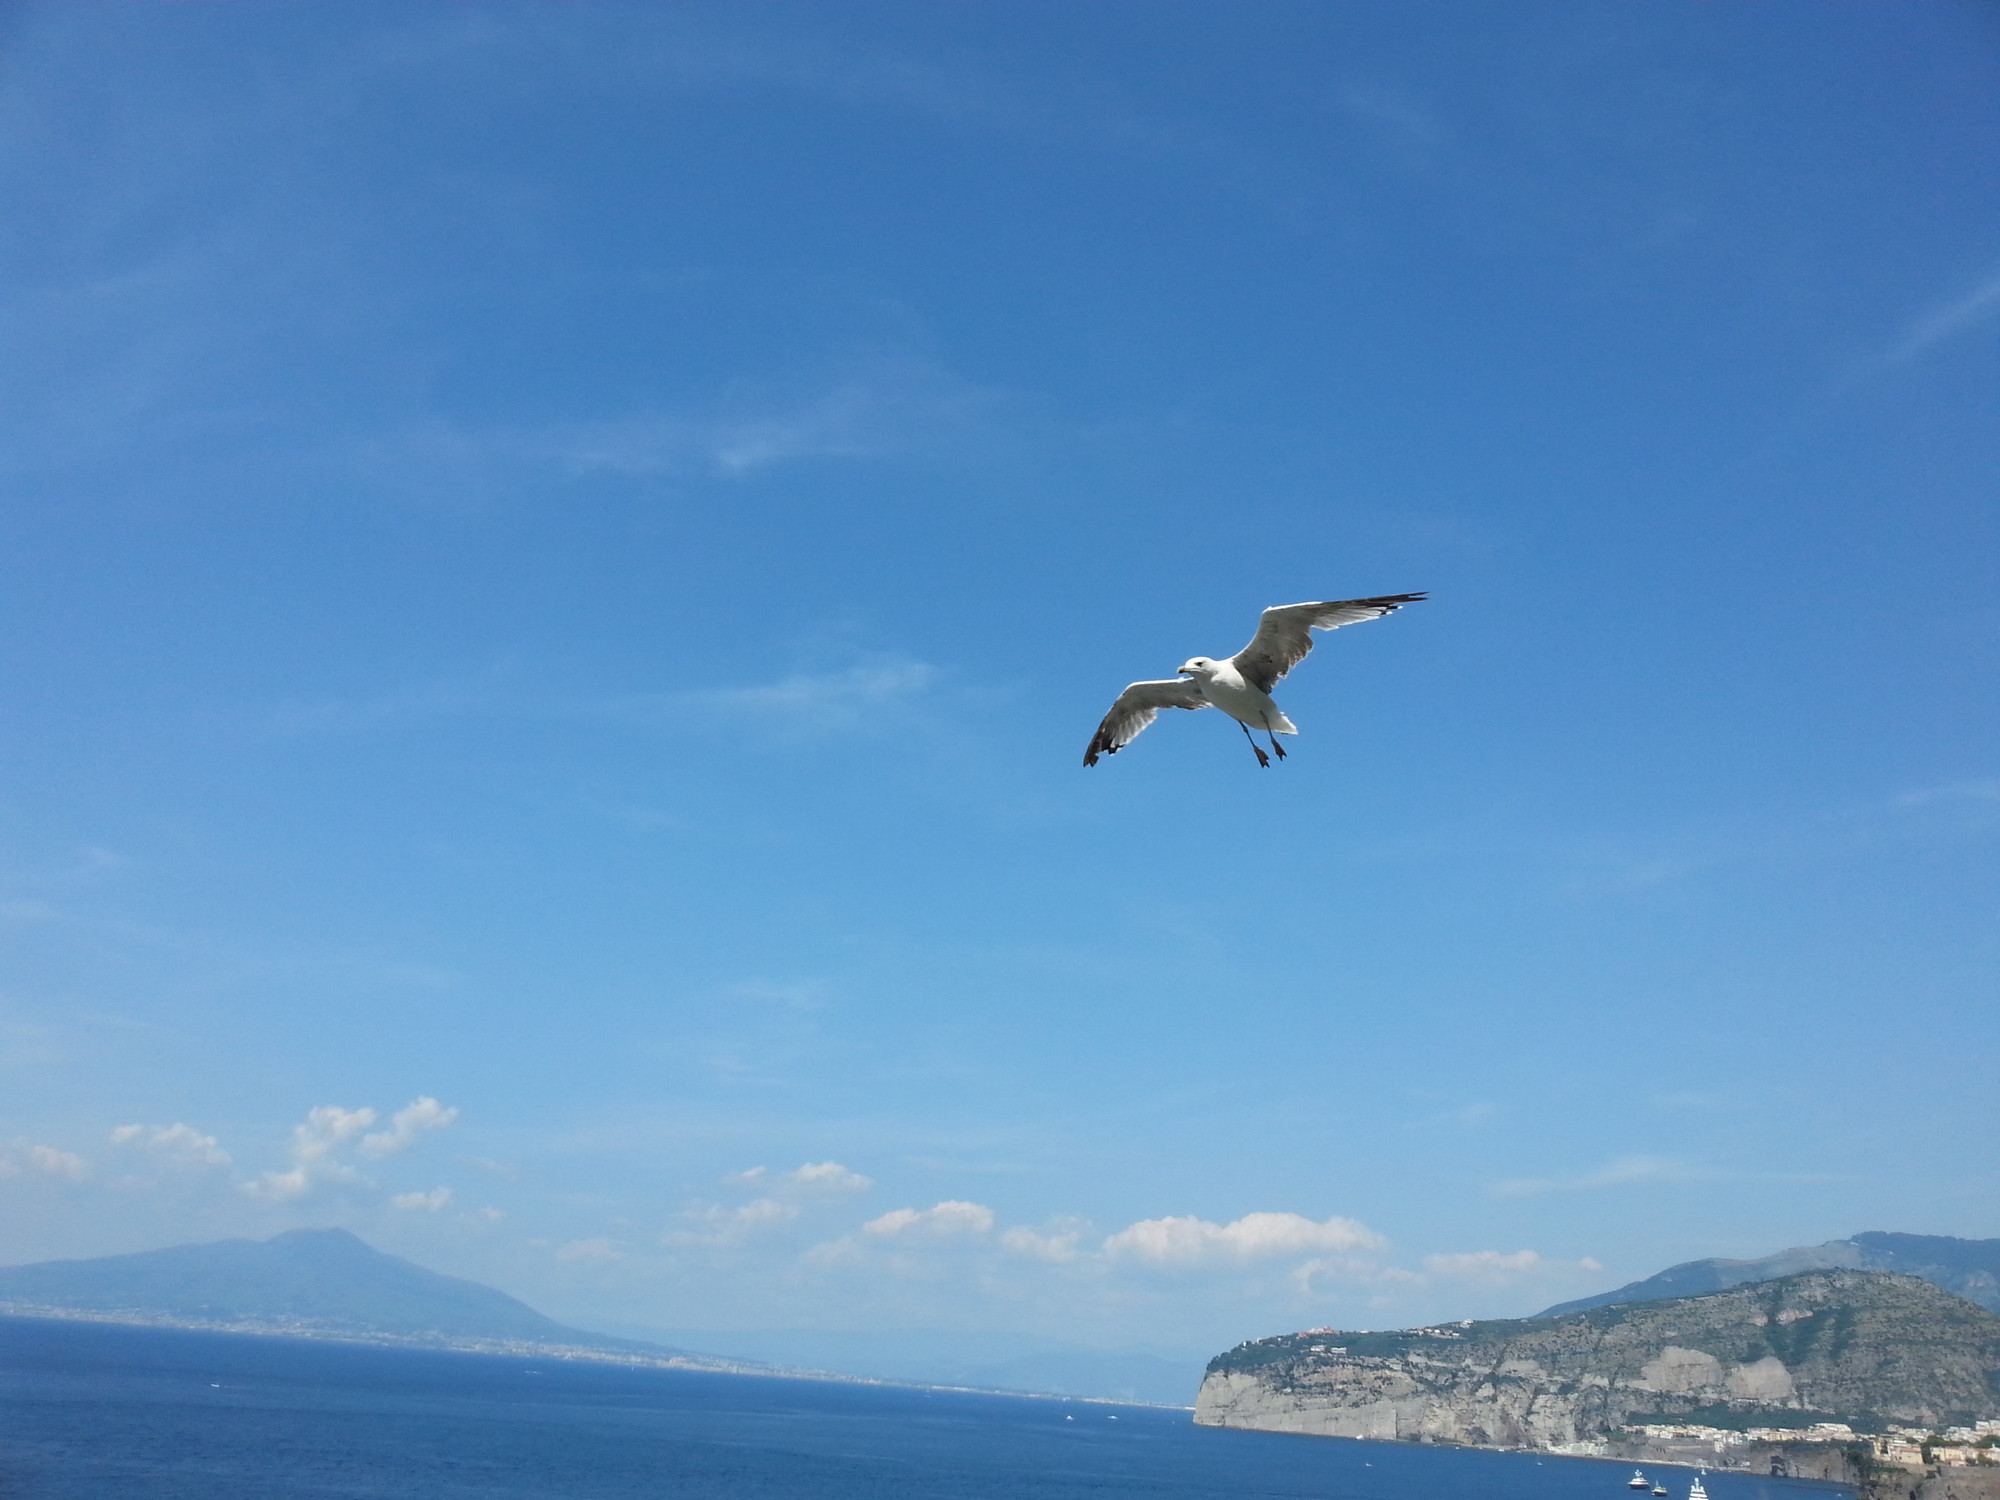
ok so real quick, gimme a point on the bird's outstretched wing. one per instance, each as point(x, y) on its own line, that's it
point(1284, 634)
point(1137, 707)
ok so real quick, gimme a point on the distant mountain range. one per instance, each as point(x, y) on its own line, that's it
point(308, 1282)
point(1970, 1268)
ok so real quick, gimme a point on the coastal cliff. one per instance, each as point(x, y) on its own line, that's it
point(1863, 1347)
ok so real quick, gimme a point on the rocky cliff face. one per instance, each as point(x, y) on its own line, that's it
point(1856, 1346)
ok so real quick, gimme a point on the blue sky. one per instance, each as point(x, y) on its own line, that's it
point(559, 562)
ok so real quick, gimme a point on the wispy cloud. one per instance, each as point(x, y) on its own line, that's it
point(717, 1226)
point(42, 1161)
point(588, 1252)
point(1498, 1266)
point(865, 689)
point(1941, 324)
point(1957, 791)
point(840, 699)
point(879, 410)
point(1625, 1172)
point(432, 1202)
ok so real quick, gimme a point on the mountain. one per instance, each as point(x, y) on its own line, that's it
point(320, 1282)
point(1855, 1346)
point(1970, 1268)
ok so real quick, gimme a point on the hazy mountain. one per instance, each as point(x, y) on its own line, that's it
point(1971, 1268)
point(306, 1281)
point(327, 1283)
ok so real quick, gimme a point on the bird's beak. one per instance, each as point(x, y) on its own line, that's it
point(1184, 671)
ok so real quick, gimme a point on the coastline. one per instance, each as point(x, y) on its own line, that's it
point(525, 1348)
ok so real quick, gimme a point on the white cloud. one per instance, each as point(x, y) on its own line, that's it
point(729, 1226)
point(1059, 1246)
point(182, 1145)
point(315, 1140)
point(1308, 1276)
point(1624, 1172)
point(430, 1202)
point(809, 1177)
point(23, 1161)
point(830, 1176)
point(1187, 1241)
point(951, 1218)
point(413, 1120)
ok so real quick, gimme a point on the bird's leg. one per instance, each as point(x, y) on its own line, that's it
point(1262, 758)
point(1275, 746)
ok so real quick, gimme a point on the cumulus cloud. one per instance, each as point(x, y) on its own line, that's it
point(315, 1142)
point(320, 1142)
point(430, 1202)
point(42, 1161)
point(948, 1219)
point(1624, 1172)
point(1188, 1241)
point(415, 1119)
point(181, 1145)
point(1058, 1246)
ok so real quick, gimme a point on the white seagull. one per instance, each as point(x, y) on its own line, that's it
point(1241, 686)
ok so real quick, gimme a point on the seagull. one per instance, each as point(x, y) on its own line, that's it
point(1241, 686)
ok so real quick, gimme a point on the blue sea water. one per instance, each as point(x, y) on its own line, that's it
point(104, 1412)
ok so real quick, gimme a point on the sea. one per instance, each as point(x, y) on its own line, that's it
point(98, 1411)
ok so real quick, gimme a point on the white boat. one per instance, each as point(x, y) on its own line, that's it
point(1659, 1489)
point(1695, 1491)
point(1638, 1481)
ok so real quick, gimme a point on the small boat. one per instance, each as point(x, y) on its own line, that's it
point(1638, 1481)
point(1695, 1491)
point(1659, 1489)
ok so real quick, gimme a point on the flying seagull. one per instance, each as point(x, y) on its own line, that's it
point(1241, 686)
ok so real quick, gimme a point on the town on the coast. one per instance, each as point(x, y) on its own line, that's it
point(1899, 1446)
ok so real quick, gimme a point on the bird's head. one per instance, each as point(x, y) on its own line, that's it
point(1199, 666)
